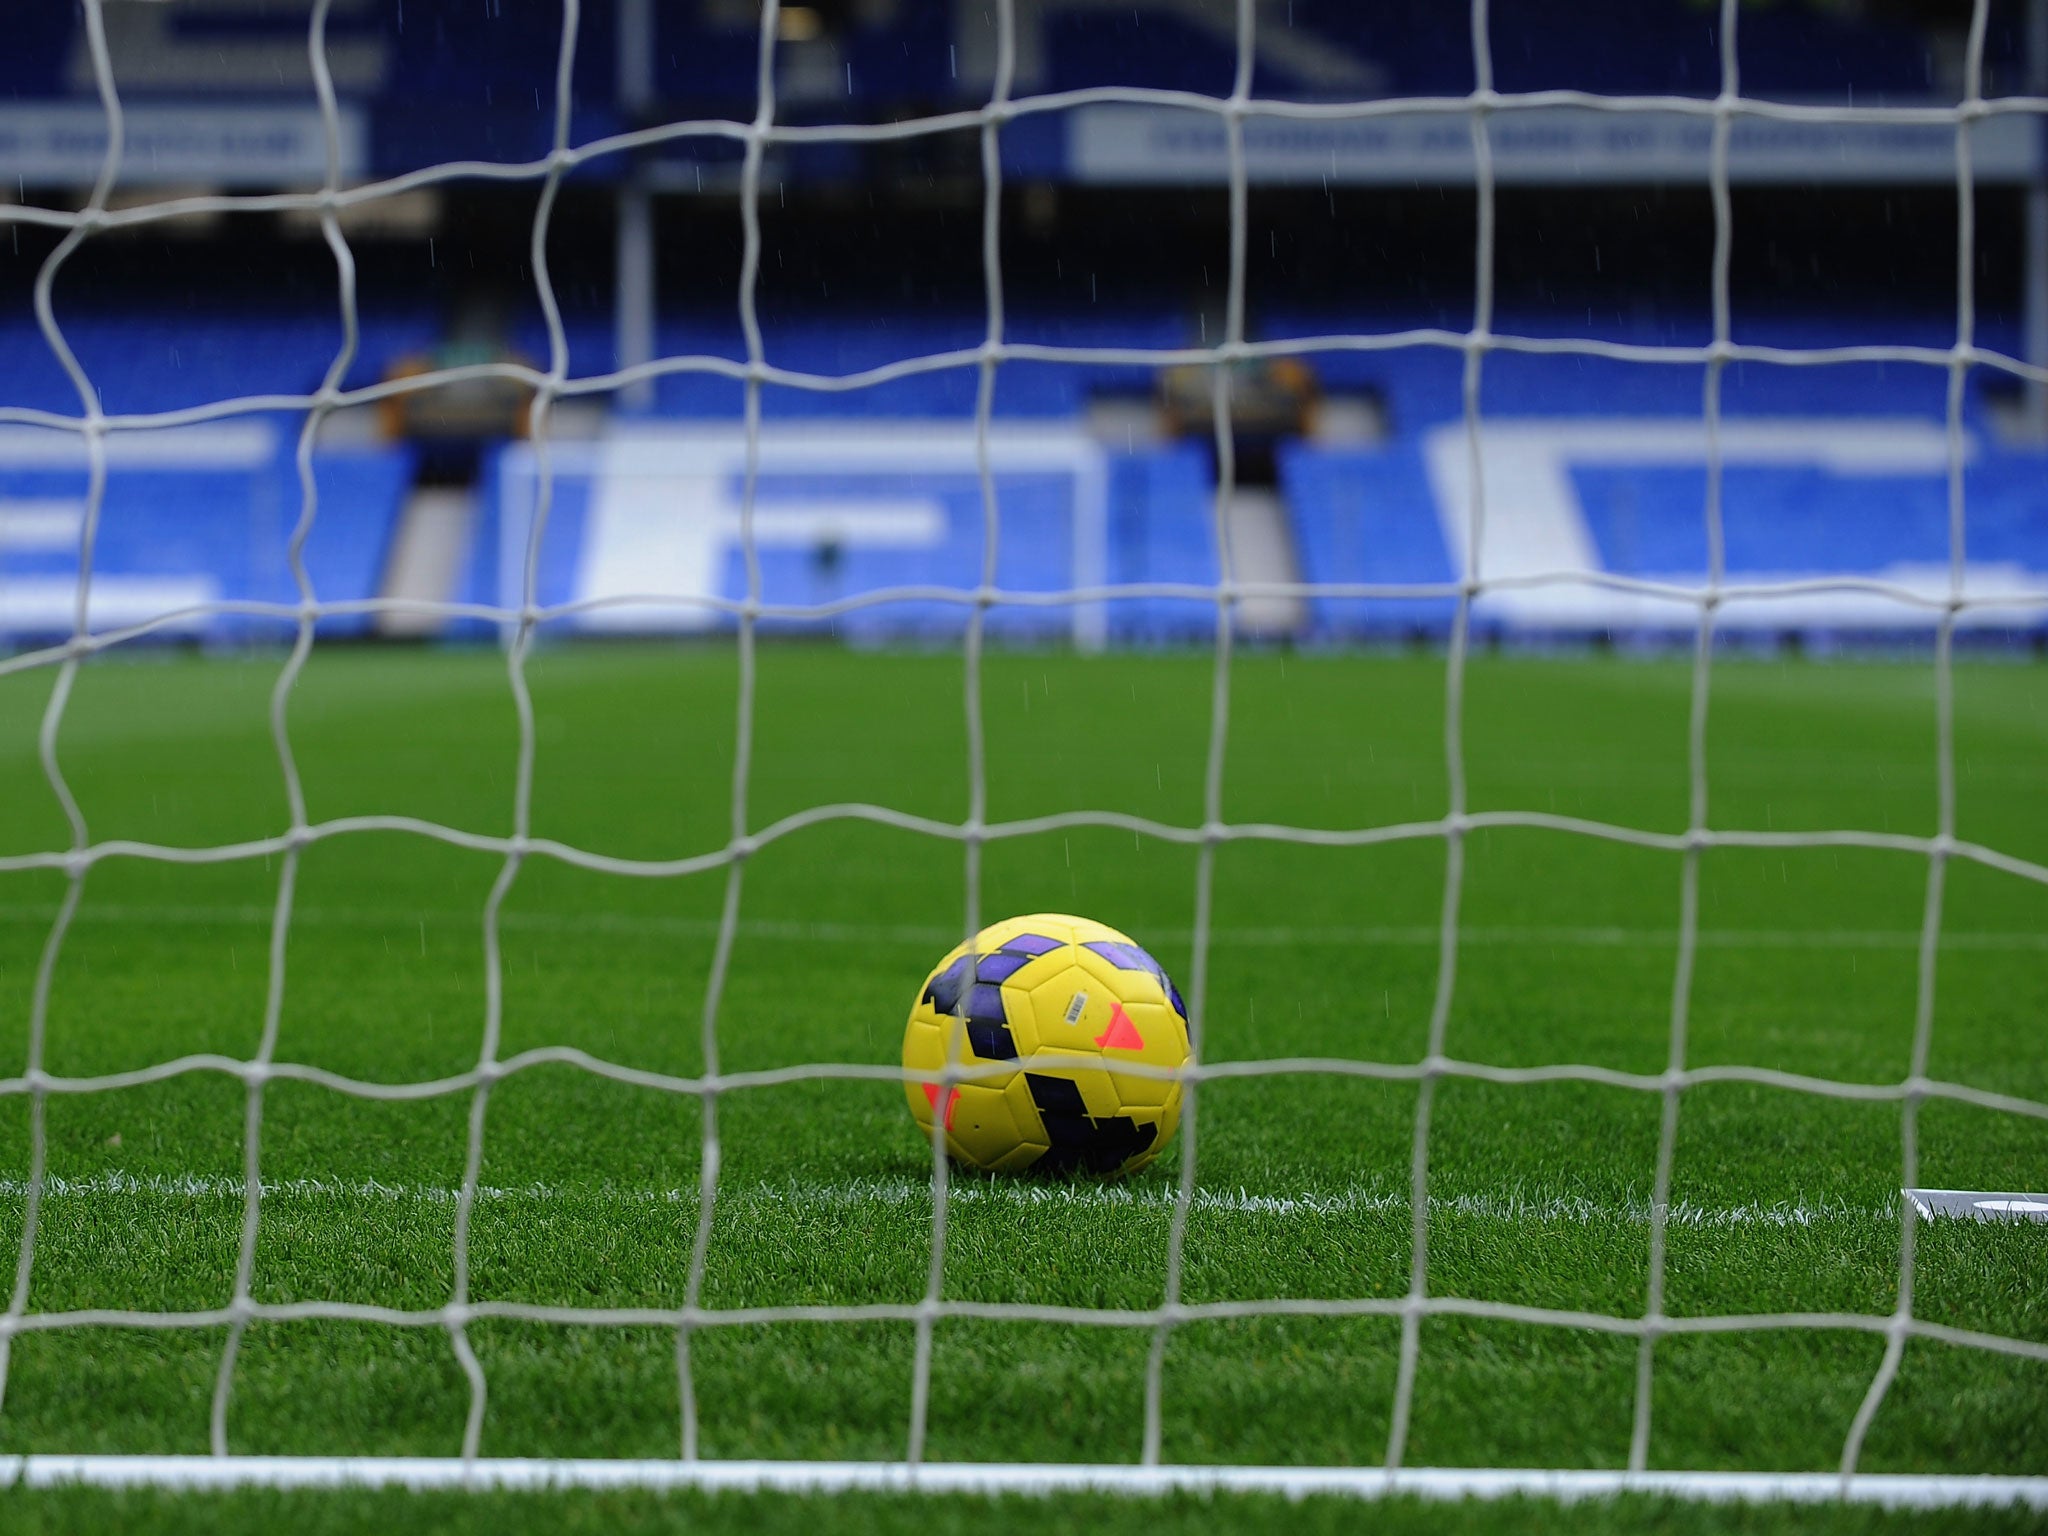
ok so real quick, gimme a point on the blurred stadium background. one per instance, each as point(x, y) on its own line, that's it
point(364, 839)
point(1114, 235)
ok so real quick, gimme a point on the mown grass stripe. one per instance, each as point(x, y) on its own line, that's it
point(1410, 936)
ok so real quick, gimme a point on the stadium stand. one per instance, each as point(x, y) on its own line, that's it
point(827, 537)
point(161, 329)
point(443, 79)
point(1358, 514)
point(199, 514)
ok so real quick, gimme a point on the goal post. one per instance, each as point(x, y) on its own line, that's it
point(668, 529)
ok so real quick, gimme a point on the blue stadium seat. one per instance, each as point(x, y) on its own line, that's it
point(1367, 516)
point(1162, 530)
point(1371, 516)
point(200, 515)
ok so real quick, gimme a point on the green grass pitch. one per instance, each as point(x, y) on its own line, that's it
point(1789, 1201)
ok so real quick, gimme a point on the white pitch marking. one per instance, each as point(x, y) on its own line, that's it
point(816, 1479)
point(1510, 1207)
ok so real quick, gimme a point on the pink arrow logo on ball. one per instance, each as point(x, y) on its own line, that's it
point(1122, 1034)
point(931, 1092)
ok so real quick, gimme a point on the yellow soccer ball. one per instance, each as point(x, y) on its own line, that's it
point(1049, 985)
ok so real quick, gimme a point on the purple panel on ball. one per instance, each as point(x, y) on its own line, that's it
point(1000, 967)
point(1126, 957)
point(943, 991)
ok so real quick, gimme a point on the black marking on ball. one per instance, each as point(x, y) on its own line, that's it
point(943, 990)
point(1078, 1140)
point(991, 1042)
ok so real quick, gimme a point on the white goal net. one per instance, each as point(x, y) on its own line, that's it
point(1482, 115)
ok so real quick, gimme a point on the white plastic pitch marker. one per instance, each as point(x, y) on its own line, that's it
point(1978, 1204)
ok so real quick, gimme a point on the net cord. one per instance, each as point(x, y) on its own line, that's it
point(1277, 1066)
point(1945, 751)
point(1988, 606)
point(973, 718)
point(1029, 826)
point(1696, 743)
point(1455, 822)
point(1225, 597)
point(710, 1155)
point(539, 423)
point(94, 427)
point(280, 733)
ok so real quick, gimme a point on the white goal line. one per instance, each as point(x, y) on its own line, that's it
point(211, 1473)
point(1949, 613)
point(1510, 1205)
